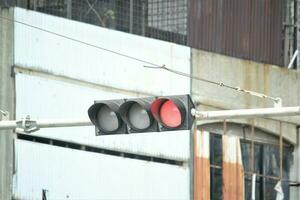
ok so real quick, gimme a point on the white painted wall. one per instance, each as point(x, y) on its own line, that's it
point(45, 99)
point(61, 78)
point(40, 50)
point(73, 174)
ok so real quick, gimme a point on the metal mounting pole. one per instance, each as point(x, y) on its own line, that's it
point(27, 125)
point(246, 113)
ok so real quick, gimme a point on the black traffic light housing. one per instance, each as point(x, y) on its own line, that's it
point(148, 114)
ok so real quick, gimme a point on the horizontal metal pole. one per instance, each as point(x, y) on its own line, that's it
point(246, 113)
point(7, 125)
point(63, 123)
point(50, 123)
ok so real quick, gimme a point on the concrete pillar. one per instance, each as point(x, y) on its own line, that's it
point(7, 101)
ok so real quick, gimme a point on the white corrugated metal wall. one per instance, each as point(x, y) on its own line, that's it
point(58, 78)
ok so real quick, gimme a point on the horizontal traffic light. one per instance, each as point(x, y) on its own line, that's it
point(149, 114)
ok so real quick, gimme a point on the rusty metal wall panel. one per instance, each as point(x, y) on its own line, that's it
point(232, 169)
point(249, 29)
point(201, 165)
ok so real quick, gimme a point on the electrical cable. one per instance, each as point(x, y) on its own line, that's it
point(221, 84)
point(79, 41)
point(154, 65)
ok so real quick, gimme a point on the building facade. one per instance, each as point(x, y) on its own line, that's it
point(49, 70)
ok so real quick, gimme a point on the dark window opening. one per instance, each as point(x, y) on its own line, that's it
point(266, 163)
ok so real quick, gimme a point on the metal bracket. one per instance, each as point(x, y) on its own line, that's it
point(278, 103)
point(26, 125)
point(4, 115)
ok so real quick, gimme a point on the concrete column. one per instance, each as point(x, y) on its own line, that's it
point(7, 101)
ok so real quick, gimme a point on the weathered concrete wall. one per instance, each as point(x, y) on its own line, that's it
point(6, 102)
point(267, 79)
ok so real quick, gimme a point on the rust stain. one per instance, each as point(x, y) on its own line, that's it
point(266, 81)
point(233, 172)
point(201, 166)
point(247, 81)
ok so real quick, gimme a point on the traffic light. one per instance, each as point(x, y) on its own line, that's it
point(106, 117)
point(137, 115)
point(173, 112)
point(149, 114)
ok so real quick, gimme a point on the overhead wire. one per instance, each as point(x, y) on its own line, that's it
point(221, 84)
point(153, 65)
point(79, 41)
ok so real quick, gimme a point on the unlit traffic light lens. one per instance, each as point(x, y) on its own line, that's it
point(107, 119)
point(138, 117)
point(170, 114)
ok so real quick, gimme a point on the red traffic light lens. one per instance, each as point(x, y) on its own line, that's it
point(170, 114)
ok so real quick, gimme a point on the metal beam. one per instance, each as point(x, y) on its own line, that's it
point(27, 125)
point(246, 113)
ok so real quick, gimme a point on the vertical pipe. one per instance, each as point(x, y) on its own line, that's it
point(193, 132)
point(280, 149)
point(252, 147)
point(252, 161)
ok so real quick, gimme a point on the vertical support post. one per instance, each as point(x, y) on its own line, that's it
point(280, 150)
point(252, 170)
point(191, 163)
point(131, 17)
point(69, 9)
point(252, 147)
point(7, 102)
